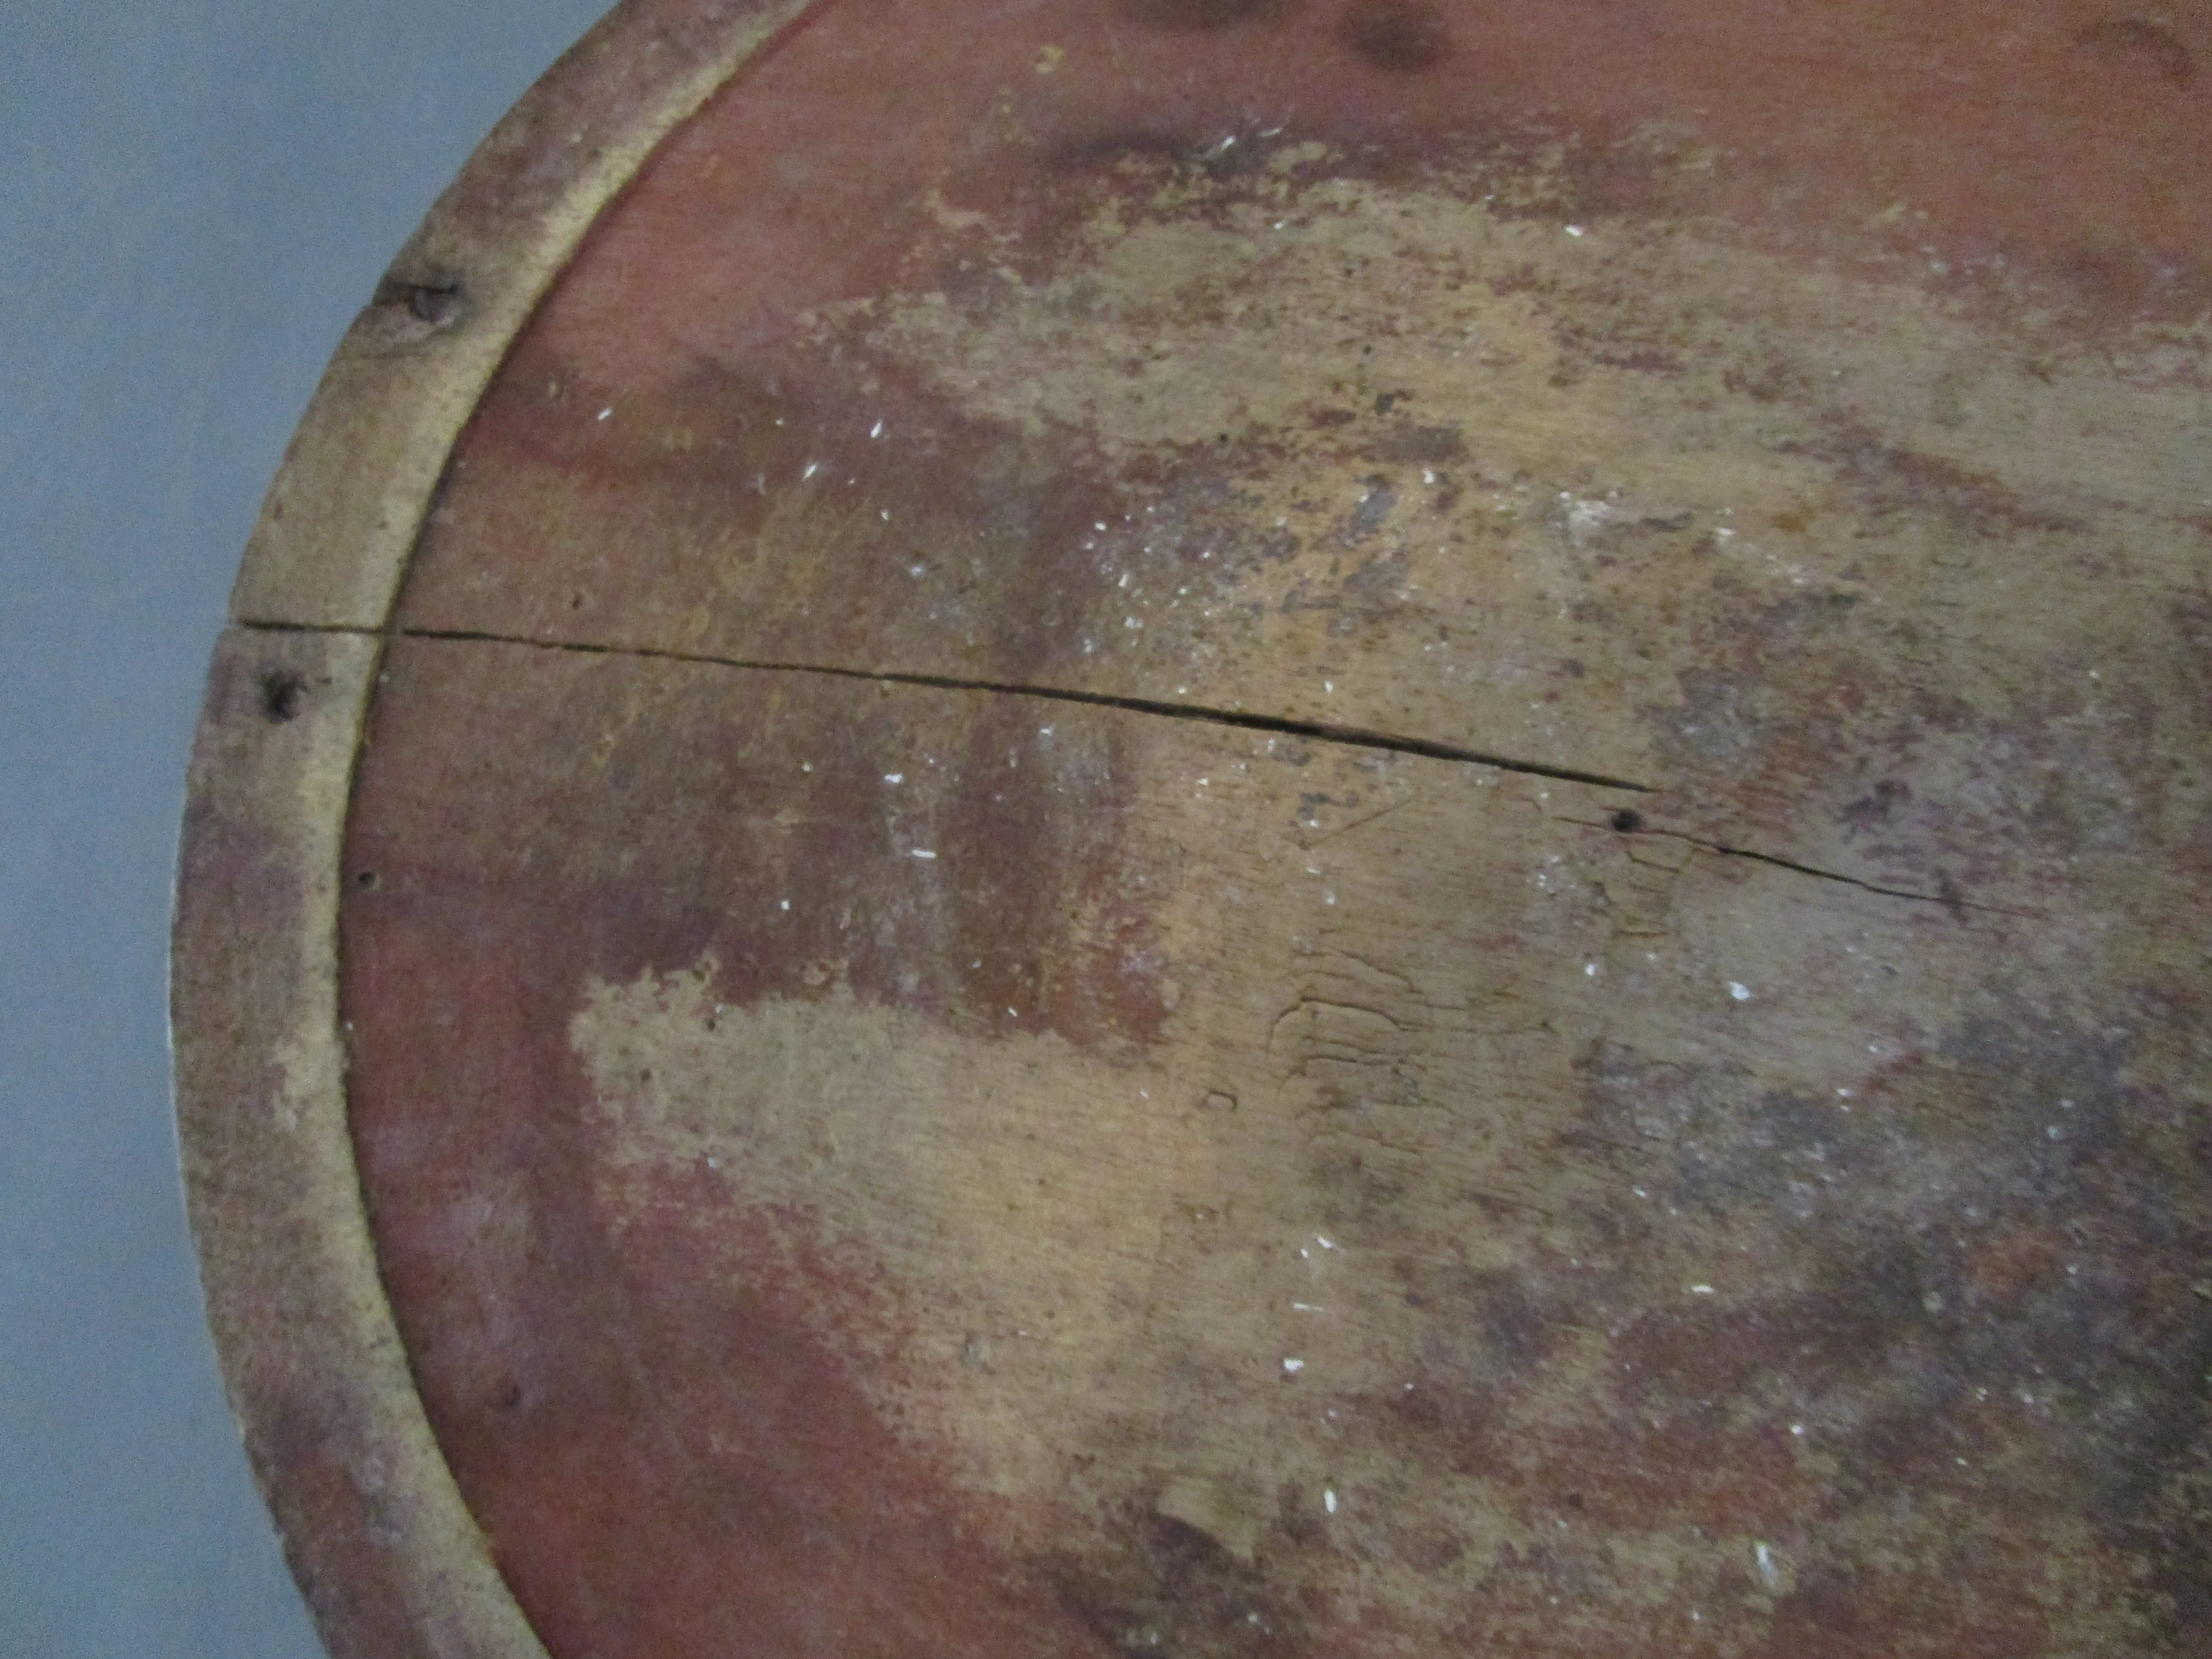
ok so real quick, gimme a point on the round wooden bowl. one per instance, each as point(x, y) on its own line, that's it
point(1242, 827)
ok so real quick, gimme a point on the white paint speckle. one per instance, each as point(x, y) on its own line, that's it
point(1329, 1498)
point(1701, 1289)
point(1293, 1367)
point(1770, 1574)
point(1740, 993)
point(876, 430)
point(606, 411)
point(1574, 230)
point(924, 852)
point(813, 467)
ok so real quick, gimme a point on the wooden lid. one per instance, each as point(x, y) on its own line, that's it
point(1229, 826)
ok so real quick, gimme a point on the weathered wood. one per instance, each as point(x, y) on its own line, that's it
point(1231, 828)
point(1219, 369)
point(384, 1547)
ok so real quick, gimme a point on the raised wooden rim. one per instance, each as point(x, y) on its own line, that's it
point(377, 1533)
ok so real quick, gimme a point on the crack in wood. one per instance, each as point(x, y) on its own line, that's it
point(1950, 898)
point(1314, 731)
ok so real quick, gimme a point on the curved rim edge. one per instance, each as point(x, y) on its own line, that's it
point(390, 1559)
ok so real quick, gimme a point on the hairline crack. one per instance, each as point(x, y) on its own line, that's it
point(1314, 731)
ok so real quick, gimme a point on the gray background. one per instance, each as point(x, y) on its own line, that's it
point(195, 197)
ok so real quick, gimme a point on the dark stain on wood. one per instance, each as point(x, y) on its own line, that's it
point(1399, 37)
point(2137, 40)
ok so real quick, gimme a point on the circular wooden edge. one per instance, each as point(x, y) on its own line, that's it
point(374, 1526)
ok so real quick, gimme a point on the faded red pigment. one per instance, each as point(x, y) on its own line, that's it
point(670, 1464)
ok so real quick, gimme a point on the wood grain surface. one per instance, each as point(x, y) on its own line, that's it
point(1205, 827)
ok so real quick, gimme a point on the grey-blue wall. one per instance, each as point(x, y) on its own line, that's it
point(195, 196)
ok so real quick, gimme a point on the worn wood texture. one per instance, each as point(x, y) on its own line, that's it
point(898, 1171)
point(390, 1560)
point(384, 1549)
point(342, 518)
point(1207, 827)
